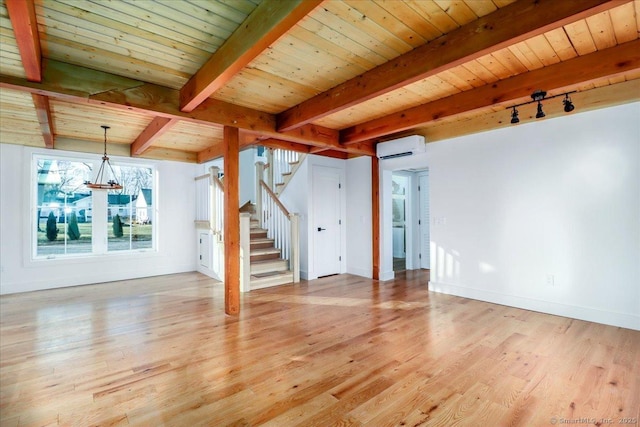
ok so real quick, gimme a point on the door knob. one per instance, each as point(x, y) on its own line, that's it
point(320, 229)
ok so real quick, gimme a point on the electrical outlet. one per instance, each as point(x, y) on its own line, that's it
point(551, 280)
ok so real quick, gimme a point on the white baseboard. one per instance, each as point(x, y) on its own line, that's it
point(387, 275)
point(590, 314)
point(364, 272)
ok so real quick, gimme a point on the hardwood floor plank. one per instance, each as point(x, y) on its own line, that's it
point(340, 350)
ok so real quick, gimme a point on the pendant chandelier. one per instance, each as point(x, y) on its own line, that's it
point(102, 174)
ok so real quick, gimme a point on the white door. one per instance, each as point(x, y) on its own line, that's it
point(423, 222)
point(326, 221)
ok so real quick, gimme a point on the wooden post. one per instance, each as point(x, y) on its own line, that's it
point(294, 261)
point(375, 216)
point(231, 144)
point(245, 251)
point(259, 178)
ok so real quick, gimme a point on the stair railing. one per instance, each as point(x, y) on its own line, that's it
point(210, 202)
point(282, 227)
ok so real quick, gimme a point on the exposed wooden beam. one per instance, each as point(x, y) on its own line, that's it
point(580, 70)
point(267, 23)
point(364, 148)
point(334, 154)
point(83, 85)
point(231, 220)
point(511, 24)
point(43, 111)
point(375, 217)
point(587, 100)
point(217, 150)
point(154, 130)
point(25, 28)
point(285, 145)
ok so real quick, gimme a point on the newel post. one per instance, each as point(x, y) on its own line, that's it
point(294, 219)
point(259, 178)
point(270, 170)
point(245, 252)
point(214, 171)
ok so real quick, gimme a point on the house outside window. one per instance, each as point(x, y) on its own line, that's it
point(66, 220)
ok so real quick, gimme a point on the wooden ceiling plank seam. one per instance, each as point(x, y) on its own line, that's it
point(608, 62)
point(481, 8)
point(625, 29)
point(459, 11)
point(25, 27)
point(561, 44)
point(436, 17)
point(134, 21)
point(102, 16)
point(399, 19)
point(117, 40)
point(580, 37)
point(334, 37)
point(526, 56)
point(511, 24)
point(155, 129)
point(331, 19)
point(43, 111)
point(363, 22)
point(602, 30)
point(543, 50)
point(266, 24)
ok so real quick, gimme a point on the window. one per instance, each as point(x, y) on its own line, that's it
point(71, 220)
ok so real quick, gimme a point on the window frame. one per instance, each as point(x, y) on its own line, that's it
point(95, 162)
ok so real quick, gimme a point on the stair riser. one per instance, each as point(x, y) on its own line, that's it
point(272, 266)
point(261, 245)
point(258, 235)
point(263, 257)
point(266, 282)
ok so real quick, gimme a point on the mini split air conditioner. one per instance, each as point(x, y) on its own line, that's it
point(401, 147)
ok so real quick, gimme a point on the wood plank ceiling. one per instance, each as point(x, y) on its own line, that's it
point(330, 77)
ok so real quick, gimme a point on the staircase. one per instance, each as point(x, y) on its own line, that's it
point(267, 266)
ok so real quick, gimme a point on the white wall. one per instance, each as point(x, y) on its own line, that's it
point(176, 236)
point(543, 216)
point(359, 219)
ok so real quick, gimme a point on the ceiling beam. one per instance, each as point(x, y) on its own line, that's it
point(580, 70)
point(83, 85)
point(216, 151)
point(43, 111)
point(511, 24)
point(25, 28)
point(266, 24)
point(285, 145)
point(155, 129)
point(364, 148)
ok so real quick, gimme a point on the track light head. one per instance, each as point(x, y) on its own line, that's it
point(540, 114)
point(568, 105)
point(514, 116)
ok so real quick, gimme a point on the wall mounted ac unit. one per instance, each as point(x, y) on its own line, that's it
point(401, 147)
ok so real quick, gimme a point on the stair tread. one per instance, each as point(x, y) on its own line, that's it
point(271, 274)
point(268, 261)
point(271, 250)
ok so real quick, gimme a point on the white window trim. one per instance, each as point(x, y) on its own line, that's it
point(30, 203)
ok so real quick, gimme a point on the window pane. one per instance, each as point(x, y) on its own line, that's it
point(130, 210)
point(63, 221)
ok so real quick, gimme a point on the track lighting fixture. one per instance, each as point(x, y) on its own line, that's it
point(537, 97)
point(568, 105)
point(514, 116)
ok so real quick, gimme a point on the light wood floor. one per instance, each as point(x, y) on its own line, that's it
point(342, 350)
